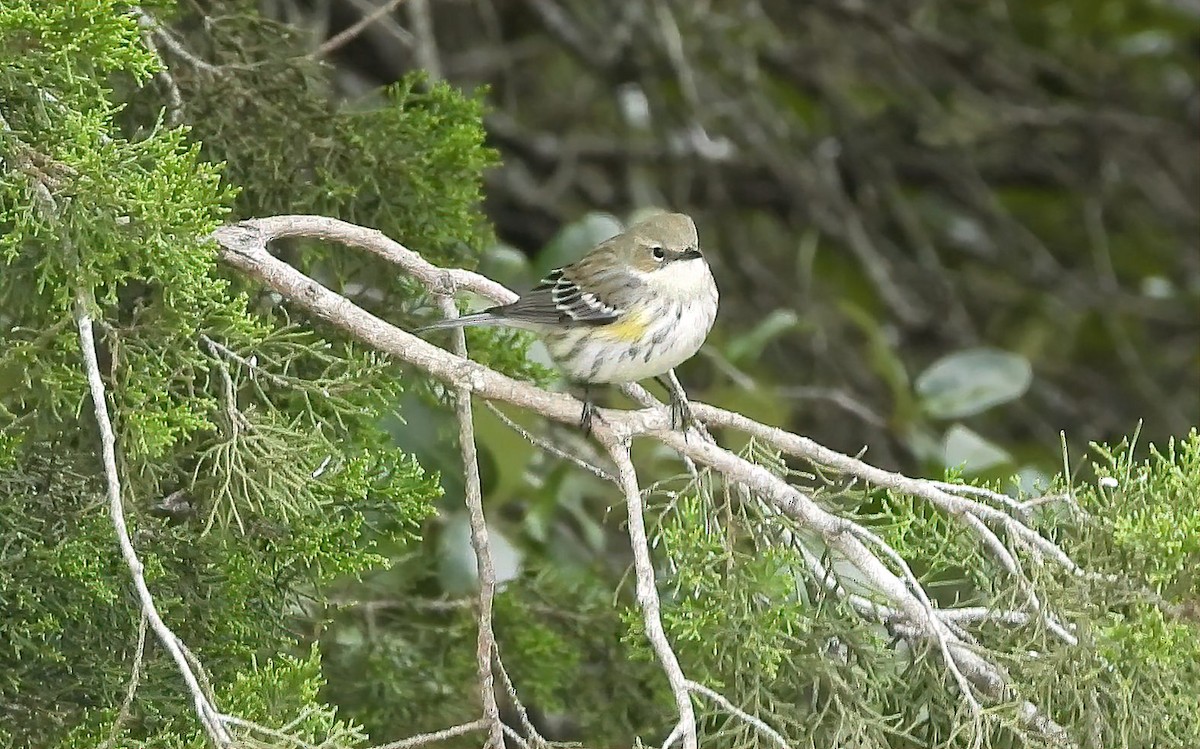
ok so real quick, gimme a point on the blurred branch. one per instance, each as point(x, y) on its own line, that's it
point(336, 41)
point(170, 88)
point(176, 47)
point(551, 448)
point(559, 24)
point(135, 677)
point(427, 50)
point(435, 736)
point(244, 247)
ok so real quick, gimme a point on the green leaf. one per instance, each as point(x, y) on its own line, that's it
point(506, 264)
point(575, 239)
point(456, 562)
point(970, 382)
point(751, 345)
point(974, 453)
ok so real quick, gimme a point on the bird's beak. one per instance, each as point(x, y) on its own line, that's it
point(691, 254)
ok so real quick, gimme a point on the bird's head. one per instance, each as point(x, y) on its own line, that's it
point(661, 241)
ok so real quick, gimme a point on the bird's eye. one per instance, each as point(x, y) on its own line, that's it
point(659, 253)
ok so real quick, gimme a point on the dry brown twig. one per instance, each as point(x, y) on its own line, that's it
point(244, 247)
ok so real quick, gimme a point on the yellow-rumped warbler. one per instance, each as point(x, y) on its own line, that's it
point(635, 306)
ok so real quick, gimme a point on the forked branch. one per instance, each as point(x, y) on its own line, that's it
point(244, 247)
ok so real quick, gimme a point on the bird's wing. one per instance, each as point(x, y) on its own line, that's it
point(557, 300)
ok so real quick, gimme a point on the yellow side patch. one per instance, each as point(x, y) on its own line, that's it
point(630, 328)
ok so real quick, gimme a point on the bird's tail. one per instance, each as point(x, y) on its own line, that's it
point(479, 318)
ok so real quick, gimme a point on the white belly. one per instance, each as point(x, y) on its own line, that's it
point(671, 338)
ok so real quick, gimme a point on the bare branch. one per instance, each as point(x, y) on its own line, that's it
point(209, 716)
point(337, 40)
point(442, 735)
point(244, 247)
point(550, 448)
point(485, 643)
point(274, 733)
point(737, 712)
point(135, 677)
point(427, 51)
point(647, 591)
point(933, 492)
point(522, 714)
point(941, 633)
point(257, 232)
point(151, 24)
point(170, 87)
point(560, 26)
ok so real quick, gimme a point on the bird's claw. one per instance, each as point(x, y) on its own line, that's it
point(588, 417)
point(682, 417)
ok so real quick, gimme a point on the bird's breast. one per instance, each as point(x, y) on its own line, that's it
point(643, 344)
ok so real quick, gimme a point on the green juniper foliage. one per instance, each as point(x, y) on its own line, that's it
point(278, 516)
point(254, 468)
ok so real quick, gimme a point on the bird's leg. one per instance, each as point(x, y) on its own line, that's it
point(681, 412)
point(588, 414)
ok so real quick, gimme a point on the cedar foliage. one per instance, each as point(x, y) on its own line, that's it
point(270, 486)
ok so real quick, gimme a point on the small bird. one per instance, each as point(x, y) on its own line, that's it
point(635, 306)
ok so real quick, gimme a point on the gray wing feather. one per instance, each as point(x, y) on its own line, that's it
point(558, 301)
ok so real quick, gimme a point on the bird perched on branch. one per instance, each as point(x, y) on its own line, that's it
point(635, 306)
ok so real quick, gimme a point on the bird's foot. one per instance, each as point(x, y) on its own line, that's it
point(681, 414)
point(590, 414)
point(588, 417)
point(682, 417)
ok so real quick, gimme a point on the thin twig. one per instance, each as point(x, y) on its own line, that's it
point(935, 626)
point(647, 592)
point(171, 88)
point(428, 738)
point(531, 731)
point(337, 40)
point(511, 732)
point(737, 712)
point(486, 641)
point(549, 447)
point(135, 676)
point(151, 24)
point(274, 733)
point(218, 350)
point(209, 716)
point(968, 490)
point(802, 447)
point(1012, 565)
